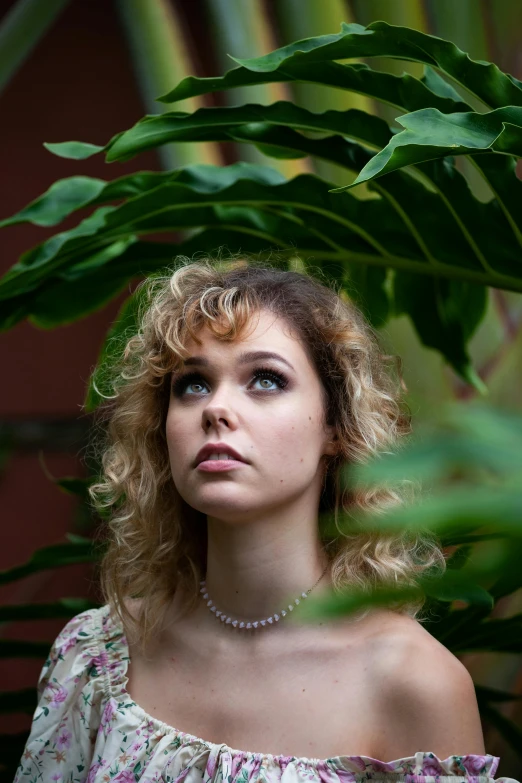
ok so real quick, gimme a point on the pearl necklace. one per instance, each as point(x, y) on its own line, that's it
point(257, 623)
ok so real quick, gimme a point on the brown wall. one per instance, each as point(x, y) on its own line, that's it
point(77, 84)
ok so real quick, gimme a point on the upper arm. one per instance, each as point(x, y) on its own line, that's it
point(427, 700)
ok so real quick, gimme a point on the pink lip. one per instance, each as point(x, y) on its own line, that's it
point(217, 448)
point(219, 465)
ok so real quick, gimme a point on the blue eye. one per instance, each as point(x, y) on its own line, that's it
point(181, 385)
point(190, 379)
point(273, 377)
point(195, 384)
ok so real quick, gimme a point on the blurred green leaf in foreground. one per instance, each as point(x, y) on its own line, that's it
point(469, 465)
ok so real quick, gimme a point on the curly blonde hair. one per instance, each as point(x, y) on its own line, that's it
point(156, 541)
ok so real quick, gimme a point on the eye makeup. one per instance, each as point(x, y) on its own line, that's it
point(181, 382)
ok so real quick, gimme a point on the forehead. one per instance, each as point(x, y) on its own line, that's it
point(264, 331)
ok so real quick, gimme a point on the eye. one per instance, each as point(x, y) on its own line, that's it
point(182, 385)
point(263, 375)
point(194, 384)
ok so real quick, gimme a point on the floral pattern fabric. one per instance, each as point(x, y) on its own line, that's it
point(86, 727)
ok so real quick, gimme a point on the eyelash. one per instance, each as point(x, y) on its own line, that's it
point(183, 381)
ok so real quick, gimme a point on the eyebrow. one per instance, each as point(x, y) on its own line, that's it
point(244, 358)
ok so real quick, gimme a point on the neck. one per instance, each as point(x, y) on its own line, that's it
point(257, 568)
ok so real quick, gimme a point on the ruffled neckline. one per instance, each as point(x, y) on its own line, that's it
point(114, 659)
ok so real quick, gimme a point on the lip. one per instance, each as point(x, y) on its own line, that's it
point(218, 465)
point(218, 448)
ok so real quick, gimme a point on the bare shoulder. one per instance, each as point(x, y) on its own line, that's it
point(423, 693)
point(394, 639)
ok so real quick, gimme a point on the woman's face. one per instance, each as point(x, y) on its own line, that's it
point(268, 409)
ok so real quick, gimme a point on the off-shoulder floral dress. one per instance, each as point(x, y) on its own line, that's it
point(86, 727)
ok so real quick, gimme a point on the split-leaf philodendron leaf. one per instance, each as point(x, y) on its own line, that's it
point(425, 245)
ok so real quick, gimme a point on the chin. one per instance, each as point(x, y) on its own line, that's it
point(222, 503)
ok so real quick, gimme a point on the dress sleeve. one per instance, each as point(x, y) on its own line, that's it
point(70, 700)
point(426, 767)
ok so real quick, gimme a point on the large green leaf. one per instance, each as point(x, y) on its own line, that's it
point(77, 551)
point(448, 587)
point(65, 607)
point(36, 264)
point(472, 228)
point(427, 237)
point(496, 508)
point(473, 441)
point(430, 134)
point(445, 56)
point(393, 90)
point(77, 271)
point(216, 124)
point(68, 195)
point(69, 247)
point(445, 314)
point(349, 229)
point(379, 39)
point(63, 197)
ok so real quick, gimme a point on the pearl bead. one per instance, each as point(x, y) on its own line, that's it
point(257, 623)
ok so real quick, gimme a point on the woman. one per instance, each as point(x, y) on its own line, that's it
point(244, 392)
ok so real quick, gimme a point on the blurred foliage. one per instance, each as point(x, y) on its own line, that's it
point(469, 461)
point(425, 246)
point(392, 167)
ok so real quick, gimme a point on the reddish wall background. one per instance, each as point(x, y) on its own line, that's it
point(77, 83)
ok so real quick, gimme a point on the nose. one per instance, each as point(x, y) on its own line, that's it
point(218, 415)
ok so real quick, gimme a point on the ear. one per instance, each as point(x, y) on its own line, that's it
point(331, 443)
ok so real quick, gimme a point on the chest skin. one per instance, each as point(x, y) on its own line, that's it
point(309, 693)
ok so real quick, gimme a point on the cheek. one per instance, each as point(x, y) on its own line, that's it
point(294, 438)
